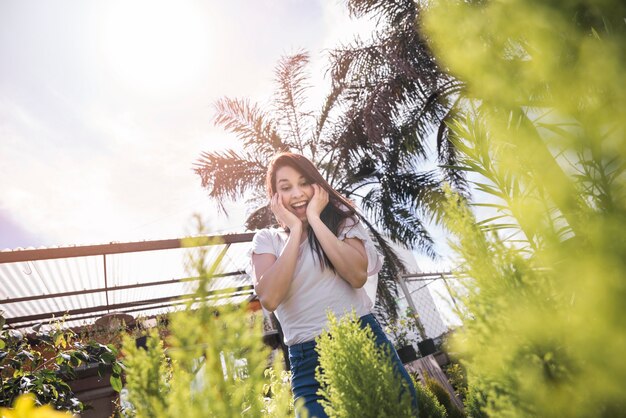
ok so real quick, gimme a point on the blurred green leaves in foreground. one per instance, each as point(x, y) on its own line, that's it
point(541, 134)
point(212, 363)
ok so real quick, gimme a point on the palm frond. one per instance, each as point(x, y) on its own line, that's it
point(254, 127)
point(420, 191)
point(400, 222)
point(289, 99)
point(228, 175)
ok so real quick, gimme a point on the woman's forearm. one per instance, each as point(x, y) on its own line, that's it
point(273, 284)
point(350, 263)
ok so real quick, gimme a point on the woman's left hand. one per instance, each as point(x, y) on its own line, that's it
point(318, 202)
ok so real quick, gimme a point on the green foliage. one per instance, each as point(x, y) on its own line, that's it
point(213, 366)
point(442, 395)
point(543, 139)
point(475, 403)
point(457, 377)
point(357, 378)
point(44, 362)
point(429, 406)
point(406, 329)
point(147, 376)
point(277, 393)
point(25, 406)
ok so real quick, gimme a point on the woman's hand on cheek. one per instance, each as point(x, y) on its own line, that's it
point(283, 215)
point(318, 202)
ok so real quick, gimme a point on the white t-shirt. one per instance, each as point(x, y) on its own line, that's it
point(313, 291)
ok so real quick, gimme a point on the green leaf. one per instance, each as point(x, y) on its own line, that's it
point(489, 220)
point(82, 355)
point(116, 382)
point(74, 360)
point(102, 369)
point(59, 340)
point(117, 369)
point(107, 358)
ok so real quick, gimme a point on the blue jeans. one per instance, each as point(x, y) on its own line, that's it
point(304, 359)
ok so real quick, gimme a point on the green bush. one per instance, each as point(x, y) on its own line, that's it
point(358, 378)
point(213, 364)
point(542, 136)
point(443, 397)
point(45, 362)
point(429, 406)
point(277, 394)
point(457, 378)
point(475, 403)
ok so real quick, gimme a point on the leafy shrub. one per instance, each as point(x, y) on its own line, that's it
point(25, 407)
point(277, 393)
point(443, 397)
point(542, 136)
point(475, 403)
point(429, 406)
point(357, 378)
point(457, 378)
point(212, 364)
point(43, 363)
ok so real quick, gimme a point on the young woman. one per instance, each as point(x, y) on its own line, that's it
point(318, 261)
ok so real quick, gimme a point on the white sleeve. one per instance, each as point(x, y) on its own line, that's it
point(355, 229)
point(262, 243)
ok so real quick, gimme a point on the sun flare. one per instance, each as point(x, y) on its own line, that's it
point(156, 45)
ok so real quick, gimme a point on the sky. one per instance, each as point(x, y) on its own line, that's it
point(106, 105)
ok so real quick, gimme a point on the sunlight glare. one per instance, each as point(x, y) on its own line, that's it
point(158, 46)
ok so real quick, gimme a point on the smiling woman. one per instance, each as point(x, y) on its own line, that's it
point(158, 46)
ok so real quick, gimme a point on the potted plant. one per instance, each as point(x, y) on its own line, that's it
point(400, 330)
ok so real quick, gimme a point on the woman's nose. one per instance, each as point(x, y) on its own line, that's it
point(297, 192)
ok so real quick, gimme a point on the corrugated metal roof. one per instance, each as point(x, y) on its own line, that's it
point(143, 278)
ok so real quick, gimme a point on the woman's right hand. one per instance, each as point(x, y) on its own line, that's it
point(289, 219)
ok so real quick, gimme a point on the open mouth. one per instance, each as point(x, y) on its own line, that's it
point(299, 205)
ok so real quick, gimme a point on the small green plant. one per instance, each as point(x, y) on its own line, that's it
point(148, 374)
point(25, 406)
point(442, 395)
point(406, 329)
point(277, 393)
point(475, 403)
point(429, 406)
point(400, 330)
point(44, 362)
point(212, 364)
point(358, 378)
point(457, 378)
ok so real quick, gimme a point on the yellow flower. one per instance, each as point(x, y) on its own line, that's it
point(24, 407)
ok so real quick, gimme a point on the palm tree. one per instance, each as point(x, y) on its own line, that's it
point(396, 93)
point(288, 126)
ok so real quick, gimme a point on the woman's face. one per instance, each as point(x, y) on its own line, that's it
point(294, 190)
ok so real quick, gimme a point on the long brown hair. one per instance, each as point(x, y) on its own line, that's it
point(338, 209)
